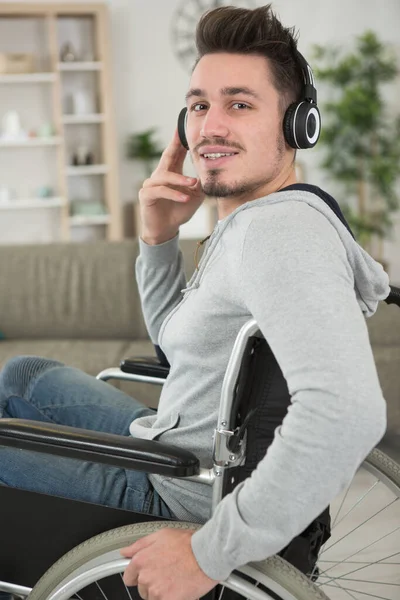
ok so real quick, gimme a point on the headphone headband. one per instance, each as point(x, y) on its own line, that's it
point(309, 91)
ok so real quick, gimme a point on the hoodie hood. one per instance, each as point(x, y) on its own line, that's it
point(371, 280)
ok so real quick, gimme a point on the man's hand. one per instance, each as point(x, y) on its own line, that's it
point(168, 198)
point(164, 568)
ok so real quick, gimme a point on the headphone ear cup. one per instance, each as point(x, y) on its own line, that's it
point(288, 125)
point(311, 127)
point(302, 125)
point(182, 128)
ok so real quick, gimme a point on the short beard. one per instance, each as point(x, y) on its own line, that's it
point(215, 189)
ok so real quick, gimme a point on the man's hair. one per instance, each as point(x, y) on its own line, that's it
point(259, 32)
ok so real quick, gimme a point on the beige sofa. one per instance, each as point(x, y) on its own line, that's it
point(79, 303)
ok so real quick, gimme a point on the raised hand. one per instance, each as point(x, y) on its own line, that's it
point(168, 198)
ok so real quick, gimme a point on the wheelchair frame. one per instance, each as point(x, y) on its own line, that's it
point(133, 453)
point(142, 454)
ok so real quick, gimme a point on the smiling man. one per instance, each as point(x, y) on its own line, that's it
point(282, 254)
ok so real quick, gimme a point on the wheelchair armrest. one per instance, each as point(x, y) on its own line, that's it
point(149, 366)
point(394, 296)
point(83, 444)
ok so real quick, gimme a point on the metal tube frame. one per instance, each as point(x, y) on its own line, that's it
point(223, 458)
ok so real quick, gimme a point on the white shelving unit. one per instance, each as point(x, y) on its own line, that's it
point(50, 160)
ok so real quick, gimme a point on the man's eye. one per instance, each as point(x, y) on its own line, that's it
point(240, 105)
point(198, 107)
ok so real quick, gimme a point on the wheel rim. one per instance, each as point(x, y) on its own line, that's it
point(361, 560)
point(349, 567)
point(94, 572)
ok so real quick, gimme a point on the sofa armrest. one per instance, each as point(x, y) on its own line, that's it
point(106, 448)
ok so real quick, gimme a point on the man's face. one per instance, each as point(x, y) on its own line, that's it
point(233, 109)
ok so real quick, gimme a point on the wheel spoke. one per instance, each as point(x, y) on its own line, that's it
point(361, 550)
point(377, 562)
point(336, 523)
point(101, 591)
point(357, 503)
point(337, 585)
point(127, 591)
point(361, 524)
point(358, 592)
point(340, 507)
point(361, 581)
point(356, 562)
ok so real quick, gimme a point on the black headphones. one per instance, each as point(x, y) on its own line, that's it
point(302, 121)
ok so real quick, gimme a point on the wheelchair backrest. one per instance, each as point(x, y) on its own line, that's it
point(261, 401)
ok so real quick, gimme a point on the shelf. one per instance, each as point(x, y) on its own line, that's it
point(30, 142)
point(58, 88)
point(28, 78)
point(82, 220)
point(82, 119)
point(25, 203)
point(80, 66)
point(89, 170)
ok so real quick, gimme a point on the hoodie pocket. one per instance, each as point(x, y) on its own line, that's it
point(142, 428)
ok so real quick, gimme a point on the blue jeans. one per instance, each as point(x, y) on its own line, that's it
point(46, 390)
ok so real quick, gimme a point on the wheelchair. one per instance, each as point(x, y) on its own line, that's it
point(70, 549)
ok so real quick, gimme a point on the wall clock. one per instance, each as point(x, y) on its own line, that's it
point(184, 21)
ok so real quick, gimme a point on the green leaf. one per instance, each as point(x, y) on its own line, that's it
point(361, 141)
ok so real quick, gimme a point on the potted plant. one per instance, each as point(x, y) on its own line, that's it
point(142, 146)
point(361, 140)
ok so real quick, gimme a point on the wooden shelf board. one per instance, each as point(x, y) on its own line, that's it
point(89, 170)
point(83, 119)
point(25, 203)
point(30, 142)
point(85, 220)
point(28, 78)
point(80, 66)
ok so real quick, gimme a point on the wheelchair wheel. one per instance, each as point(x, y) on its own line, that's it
point(361, 560)
point(93, 571)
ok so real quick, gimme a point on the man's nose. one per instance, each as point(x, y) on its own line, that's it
point(214, 125)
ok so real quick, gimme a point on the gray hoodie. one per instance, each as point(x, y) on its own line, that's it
point(287, 261)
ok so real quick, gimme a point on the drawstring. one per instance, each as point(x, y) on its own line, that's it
point(197, 251)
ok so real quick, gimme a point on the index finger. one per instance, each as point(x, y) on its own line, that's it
point(173, 157)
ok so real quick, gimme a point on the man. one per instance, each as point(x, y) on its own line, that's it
point(279, 254)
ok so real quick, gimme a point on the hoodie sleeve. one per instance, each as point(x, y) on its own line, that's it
point(298, 284)
point(160, 278)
